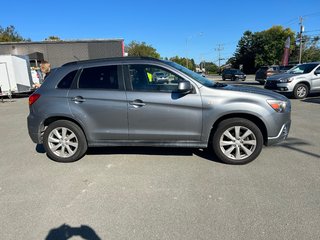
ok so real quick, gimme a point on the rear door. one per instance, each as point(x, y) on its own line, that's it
point(99, 101)
point(156, 112)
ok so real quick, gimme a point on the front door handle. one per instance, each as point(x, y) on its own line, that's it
point(78, 99)
point(137, 103)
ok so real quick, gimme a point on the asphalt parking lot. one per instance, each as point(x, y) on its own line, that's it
point(156, 193)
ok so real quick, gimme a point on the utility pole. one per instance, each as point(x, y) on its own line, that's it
point(301, 31)
point(219, 49)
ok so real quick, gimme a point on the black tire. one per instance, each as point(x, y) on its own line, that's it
point(242, 150)
point(300, 91)
point(64, 141)
point(223, 78)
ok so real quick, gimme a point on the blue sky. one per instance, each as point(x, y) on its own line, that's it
point(189, 27)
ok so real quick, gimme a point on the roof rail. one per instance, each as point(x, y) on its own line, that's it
point(109, 59)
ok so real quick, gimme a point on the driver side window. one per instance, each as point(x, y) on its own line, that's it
point(153, 79)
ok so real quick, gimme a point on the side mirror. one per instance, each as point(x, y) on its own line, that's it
point(317, 72)
point(184, 87)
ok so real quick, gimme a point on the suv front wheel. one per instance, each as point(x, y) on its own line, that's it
point(237, 141)
point(64, 141)
point(301, 91)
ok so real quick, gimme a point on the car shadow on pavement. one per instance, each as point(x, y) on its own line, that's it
point(139, 150)
point(65, 232)
point(294, 143)
point(160, 151)
point(312, 100)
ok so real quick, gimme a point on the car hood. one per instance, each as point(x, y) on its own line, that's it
point(255, 90)
point(282, 76)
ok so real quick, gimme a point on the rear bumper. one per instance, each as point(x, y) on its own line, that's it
point(282, 135)
point(34, 130)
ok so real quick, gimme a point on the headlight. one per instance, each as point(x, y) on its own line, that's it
point(287, 80)
point(277, 105)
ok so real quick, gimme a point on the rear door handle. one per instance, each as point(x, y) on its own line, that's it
point(137, 103)
point(78, 99)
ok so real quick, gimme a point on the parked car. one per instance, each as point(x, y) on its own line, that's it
point(233, 74)
point(299, 81)
point(160, 77)
point(283, 69)
point(266, 71)
point(111, 102)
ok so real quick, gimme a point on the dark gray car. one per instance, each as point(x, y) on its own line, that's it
point(113, 102)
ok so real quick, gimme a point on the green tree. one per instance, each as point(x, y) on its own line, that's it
point(262, 48)
point(211, 67)
point(310, 50)
point(53, 38)
point(141, 50)
point(9, 34)
point(183, 62)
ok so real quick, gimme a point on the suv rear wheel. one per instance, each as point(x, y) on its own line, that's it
point(237, 141)
point(300, 91)
point(64, 141)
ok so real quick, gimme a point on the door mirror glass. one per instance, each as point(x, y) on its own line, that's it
point(317, 72)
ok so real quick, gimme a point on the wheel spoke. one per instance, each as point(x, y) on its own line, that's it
point(56, 133)
point(246, 150)
point(73, 144)
point(226, 143)
point(237, 132)
point(229, 135)
point(69, 150)
point(64, 133)
point(238, 154)
point(55, 147)
point(229, 150)
point(62, 152)
point(53, 140)
point(246, 134)
point(250, 142)
point(72, 135)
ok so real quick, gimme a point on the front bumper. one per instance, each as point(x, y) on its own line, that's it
point(278, 87)
point(282, 135)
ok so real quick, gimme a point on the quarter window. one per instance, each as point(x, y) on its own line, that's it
point(104, 77)
point(66, 82)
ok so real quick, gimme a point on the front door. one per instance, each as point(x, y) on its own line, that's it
point(156, 111)
point(315, 81)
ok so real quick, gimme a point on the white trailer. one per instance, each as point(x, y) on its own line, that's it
point(15, 75)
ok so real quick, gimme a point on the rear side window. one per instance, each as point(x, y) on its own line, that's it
point(104, 77)
point(66, 82)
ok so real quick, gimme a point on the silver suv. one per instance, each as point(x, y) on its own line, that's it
point(113, 102)
point(298, 81)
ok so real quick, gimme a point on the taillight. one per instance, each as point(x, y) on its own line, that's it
point(33, 98)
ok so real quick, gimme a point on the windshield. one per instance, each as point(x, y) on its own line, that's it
point(303, 68)
point(204, 81)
